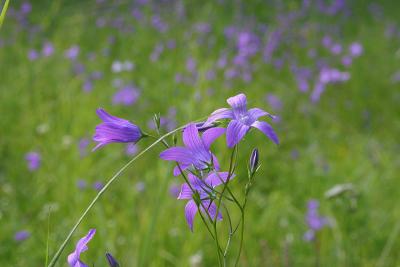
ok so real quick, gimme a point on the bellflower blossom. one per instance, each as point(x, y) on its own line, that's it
point(115, 130)
point(74, 258)
point(196, 151)
point(204, 188)
point(242, 120)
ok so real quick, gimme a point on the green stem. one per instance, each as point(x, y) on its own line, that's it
point(107, 185)
point(3, 12)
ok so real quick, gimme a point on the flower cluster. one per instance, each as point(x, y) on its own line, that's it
point(194, 160)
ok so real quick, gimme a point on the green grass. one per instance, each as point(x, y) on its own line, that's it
point(148, 228)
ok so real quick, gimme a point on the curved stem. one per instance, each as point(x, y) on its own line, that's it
point(3, 12)
point(95, 199)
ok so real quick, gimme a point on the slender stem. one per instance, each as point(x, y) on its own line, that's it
point(241, 239)
point(107, 185)
point(3, 12)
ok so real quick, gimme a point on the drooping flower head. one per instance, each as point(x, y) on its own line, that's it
point(196, 152)
point(115, 130)
point(205, 190)
point(74, 258)
point(242, 120)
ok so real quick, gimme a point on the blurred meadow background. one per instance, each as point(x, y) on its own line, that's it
point(329, 70)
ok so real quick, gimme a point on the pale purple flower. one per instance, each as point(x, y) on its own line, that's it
point(347, 61)
point(98, 185)
point(190, 65)
point(33, 159)
point(47, 49)
point(333, 8)
point(33, 55)
point(336, 49)
point(115, 130)
point(274, 101)
point(26, 8)
point(205, 189)
point(126, 96)
point(242, 120)
point(355, 49)
point(202, 27)
point(22, 235)
point(72, 52)
point(81, 184)
point(82, 146)
point(74, 258)
point(87, 85)
point(131, 149)
point(196, 152)
point(314, 221)
point(159, 24)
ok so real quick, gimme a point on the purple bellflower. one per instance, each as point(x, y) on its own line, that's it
point(242, 120)
point(196, 152)
point(115, 130)
point(204, 189)
point(74, 258)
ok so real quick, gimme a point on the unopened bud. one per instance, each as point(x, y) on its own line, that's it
point(111, 261)
point(253, 163)
point(157, 119)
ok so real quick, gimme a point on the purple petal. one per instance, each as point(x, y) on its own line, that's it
point(179, 154)
point(210, 135)
point(190, 212)
point(106, 117)
point(235, 132)
point(222, 113)
point(211, 209)
point(267, 130)
point(238, 103)
point(183, 167)
point(256, 113)
point(81, 246)
point(186, 192)
point(217, 178)
point(191, 137)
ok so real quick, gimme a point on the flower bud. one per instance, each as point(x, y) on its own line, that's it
point(157, 120)
point(253, 163)
point(111, 261)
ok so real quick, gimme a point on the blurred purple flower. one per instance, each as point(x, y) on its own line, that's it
point(314, 221)
point(82, 146)
point(336, 49)
point(196, 151)
point(355, 49)
point(242, 120)
point(204, 188)
point(159, 24)
point(190, 65)
point(81, 184)
point(202, 27)
point(333, 8)
point(140, 186)
point(33, 54)
point(33, 159)
point(98, 185)
point(87, 85)
point(26, 8)
point(47, 49)
point(72, 52)
point(111, 261)
point(274, 102)
point(74, 258)
point(126, 96)
point(22, 235)
point(131, 149)
point(115, 130)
